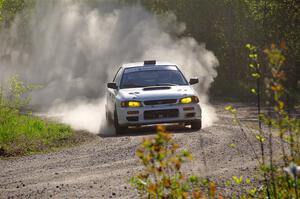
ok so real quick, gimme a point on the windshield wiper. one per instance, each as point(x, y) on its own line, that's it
point(165, 84)
point(139, 86)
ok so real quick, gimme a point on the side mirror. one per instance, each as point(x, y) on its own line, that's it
point(112, 85)
point(194, 80)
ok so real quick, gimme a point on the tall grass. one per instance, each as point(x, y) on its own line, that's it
point(24, 133)
point(280, 173)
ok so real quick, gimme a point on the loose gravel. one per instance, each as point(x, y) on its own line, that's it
point(102, 167)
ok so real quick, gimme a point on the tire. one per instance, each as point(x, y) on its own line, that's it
point(196, 124)
point(118, 129)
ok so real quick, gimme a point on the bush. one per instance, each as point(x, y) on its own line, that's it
point(162, 176)
point(24, 133)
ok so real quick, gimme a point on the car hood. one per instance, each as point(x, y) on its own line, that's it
point(155, 92)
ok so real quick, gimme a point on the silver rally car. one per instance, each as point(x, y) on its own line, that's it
point(151, 92)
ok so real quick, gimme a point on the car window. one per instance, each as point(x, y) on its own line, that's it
point(118, 75)
point(155, 77)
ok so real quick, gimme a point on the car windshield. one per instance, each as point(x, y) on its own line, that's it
point(166, 76)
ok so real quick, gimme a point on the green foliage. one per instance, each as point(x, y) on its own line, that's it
point(9, 9)
point(235, 23)
point(237, 180)
point(13, 96)
point(23, 133)
point(162, 176)
point(280, 178)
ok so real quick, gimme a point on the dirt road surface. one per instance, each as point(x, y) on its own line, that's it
point(102, 167)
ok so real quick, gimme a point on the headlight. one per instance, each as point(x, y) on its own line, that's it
point(131, 104)
point(188, 100)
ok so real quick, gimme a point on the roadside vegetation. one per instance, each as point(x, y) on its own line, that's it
point(278, 175)
point(278, 128)
point(23, 133)
point(162, 177)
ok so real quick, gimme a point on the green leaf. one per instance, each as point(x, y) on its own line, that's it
point(248, 181)
point(228, 108)
point(253, 91)
point(193, 179)
point(251, 66)
point(228, 183)
point(252, 191)
point(232, 145)
point(255, 75)
point(260, 138)
point(185, 153)
point(237, 180)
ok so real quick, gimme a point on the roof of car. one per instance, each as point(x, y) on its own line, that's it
point(139, 64)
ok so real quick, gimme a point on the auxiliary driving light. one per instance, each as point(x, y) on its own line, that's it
point(131, 104)
point(188, 100)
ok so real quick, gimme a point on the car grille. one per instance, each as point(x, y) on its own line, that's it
point(158, 114)
point(158, 102)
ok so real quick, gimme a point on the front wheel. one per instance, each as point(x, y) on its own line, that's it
point(118, 129)
point(196, 124)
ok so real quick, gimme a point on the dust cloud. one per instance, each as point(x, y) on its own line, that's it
point(72, 49)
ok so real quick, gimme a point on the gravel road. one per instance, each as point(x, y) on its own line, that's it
point(102, 167)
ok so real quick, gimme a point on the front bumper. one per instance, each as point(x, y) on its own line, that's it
point(158, 114)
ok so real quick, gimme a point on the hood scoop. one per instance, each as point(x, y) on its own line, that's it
point(150, 88)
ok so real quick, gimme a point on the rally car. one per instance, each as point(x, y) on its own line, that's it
point(150, 92)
